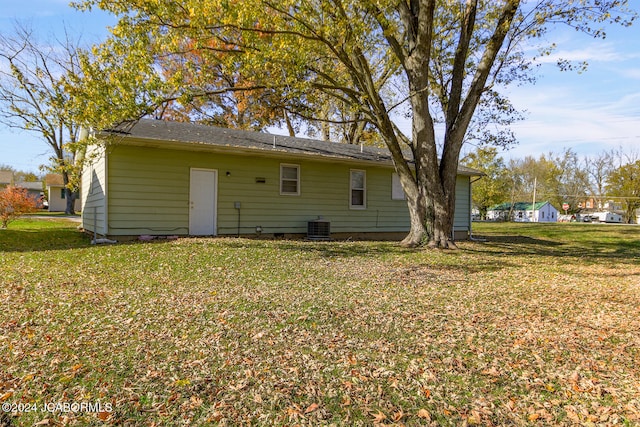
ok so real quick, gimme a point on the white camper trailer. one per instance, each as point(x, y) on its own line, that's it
point(610, 217)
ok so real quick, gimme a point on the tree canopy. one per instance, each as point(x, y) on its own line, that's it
point(436, 63)
point(624, 182)
point(34, 97)
point(493, 188)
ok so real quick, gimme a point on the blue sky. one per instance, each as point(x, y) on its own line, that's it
point(590, 112)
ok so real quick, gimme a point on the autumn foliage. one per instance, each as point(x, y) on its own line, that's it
point(14, 202)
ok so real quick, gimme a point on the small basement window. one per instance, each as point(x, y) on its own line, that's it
point(289, 180)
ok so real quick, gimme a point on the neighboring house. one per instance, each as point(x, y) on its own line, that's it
point(589, 203)
point(56, 194)
point(170, 178)
point(611, 206)
point(34, 189)
point(6, 178)
point(523, 212)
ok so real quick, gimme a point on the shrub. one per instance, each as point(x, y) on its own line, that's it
point(14, 202)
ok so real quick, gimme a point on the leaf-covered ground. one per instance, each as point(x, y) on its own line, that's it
point(539, 325)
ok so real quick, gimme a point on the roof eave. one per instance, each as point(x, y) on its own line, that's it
point(224, 149)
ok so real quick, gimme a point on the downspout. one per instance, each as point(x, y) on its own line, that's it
point(237, 206)
point(95, 240)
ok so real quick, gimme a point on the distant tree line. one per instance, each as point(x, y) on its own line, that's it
point(20, 175)
point(558, 178)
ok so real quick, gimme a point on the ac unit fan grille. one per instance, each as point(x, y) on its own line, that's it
point(319, 230)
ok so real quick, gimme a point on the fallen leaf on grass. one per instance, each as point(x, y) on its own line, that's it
point(379, 417)
point(423, 413)
point(311, 408)
point(573, 416)
point(215, 417)
point(473, 420)
point(397, 416)
point(492, 371)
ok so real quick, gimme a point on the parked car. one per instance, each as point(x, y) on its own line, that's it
point(580, 218)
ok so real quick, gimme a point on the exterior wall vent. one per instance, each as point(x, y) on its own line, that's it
point(319, 229)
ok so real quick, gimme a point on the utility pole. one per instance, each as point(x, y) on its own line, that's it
point(533, 206)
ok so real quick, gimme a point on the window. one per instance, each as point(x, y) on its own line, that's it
point(358, 190)
point(62, 193)
point(290, 180)
point(397, 193)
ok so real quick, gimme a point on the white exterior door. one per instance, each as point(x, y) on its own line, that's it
point(203, 194)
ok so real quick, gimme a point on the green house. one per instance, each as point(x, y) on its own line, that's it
point(524, 212)
point(164, 178)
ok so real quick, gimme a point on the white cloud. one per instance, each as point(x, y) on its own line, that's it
point(594, 52)
point(585, 114)
point(630, 73)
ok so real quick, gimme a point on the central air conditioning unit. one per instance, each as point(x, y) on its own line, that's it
point(319, 229)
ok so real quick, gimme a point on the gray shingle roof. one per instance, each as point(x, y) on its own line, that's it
point(190, 133)
point(518, 206)
point(36, 186)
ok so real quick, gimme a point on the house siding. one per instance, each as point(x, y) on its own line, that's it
point(149, 194)
point(94, 192)
point(56, 202)
point(462, 216)
point(130, 190)
point(546, 213)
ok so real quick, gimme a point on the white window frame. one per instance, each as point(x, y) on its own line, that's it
point(397, 192)
point(297, 180)
point(364, 189)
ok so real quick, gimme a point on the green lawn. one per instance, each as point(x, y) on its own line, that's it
point(539, 325)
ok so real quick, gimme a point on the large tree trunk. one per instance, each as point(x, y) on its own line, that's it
point(446, 202)
point(69, 195)
point(71, 200)
point(417, 216)
point(440, 179)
